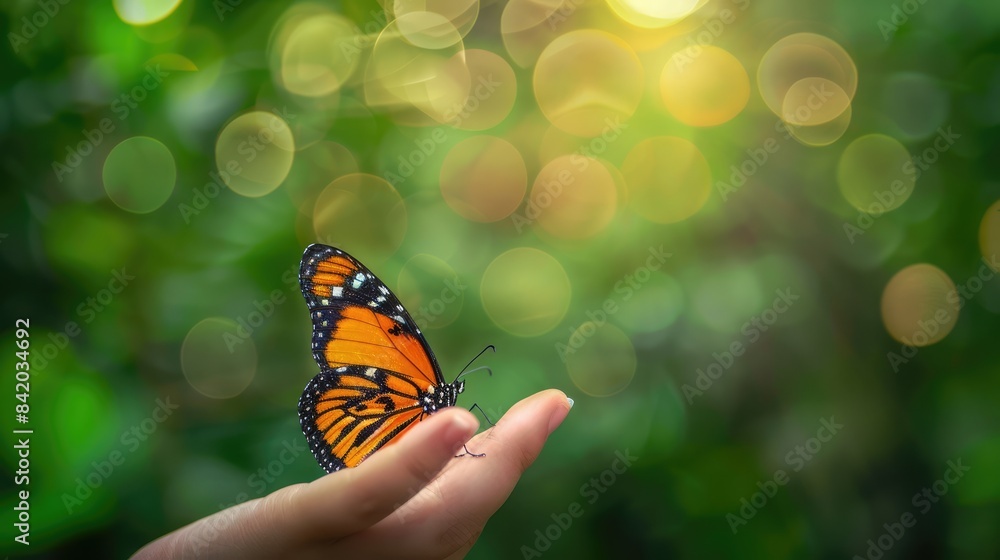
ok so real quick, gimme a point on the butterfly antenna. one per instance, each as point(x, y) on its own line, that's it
point(474, 370)
point(464, 373)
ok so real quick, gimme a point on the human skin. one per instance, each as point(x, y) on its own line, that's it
point(412, 499)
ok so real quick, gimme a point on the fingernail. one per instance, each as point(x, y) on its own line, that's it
point(559, 415)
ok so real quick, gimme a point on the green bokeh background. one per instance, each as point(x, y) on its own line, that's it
point(696, 458)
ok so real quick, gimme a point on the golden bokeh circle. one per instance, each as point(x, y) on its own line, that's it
point(920, 305)
point(814, 101)
point(483, 178)
point(668, 179)
point(314, 168)
point(144, 12)
point(573, 197)
point(654, 13)
point(587, 80)
point(525, 292)
point(362, 214)
point(219, 357)
point(460, 14)
point(989, 236)
point(423, 73)
point(254, 153)
point(527, 26)
point(600, 359)
point(318, 55)
point(492, 91)
point(822, 134)
point(704, 89)
point(139, 174)
point(800, 56)
point(427, 30)
point(875, 174)
point(431, 290)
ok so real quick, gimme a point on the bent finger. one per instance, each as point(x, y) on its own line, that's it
point(348, 501)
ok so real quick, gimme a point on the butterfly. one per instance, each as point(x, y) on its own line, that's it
point(378, 376)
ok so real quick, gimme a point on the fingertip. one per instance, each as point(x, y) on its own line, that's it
point(562, 408)
point(462, 425)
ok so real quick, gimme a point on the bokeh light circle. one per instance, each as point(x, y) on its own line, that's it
point(668, 179)
point(875, 174)
point(573, 197)
point(492, 91)
point(654, 13)
point(427, 30)
point(704, 89)
point(139, 174)
point(723, 296)
point(362, 214)
point(989, 236)
point(814, 101)
point(254, 153)
point(318, 56)
point(527, 26)
point(483, 178)
point(425, 74)
point(460, 14)
point(587, 80)
point(822, 134)
point(600, 359)
point(218, 357)
point(525, 292)
point(916, 103)
point(800, 56)
point(144, 12)
point(919, 305)
point(431, 291)
point(321, 163)
point(655, 306)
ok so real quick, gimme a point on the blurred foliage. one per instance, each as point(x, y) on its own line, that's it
point(711, 283)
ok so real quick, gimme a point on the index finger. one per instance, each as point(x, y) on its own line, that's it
point(511, 447)
point(348, 501)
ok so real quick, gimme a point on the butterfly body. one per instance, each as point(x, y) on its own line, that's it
point(378, 376)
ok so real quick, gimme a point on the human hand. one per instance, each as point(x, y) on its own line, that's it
point(411, 499)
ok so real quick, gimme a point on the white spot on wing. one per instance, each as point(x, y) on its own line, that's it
point(337, 292)
point(370, 372)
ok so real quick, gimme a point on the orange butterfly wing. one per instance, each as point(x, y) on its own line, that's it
point(347, 414)
point(376, 370)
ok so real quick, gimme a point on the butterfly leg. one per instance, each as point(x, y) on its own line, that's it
point(467, 452)
point(483, 412)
